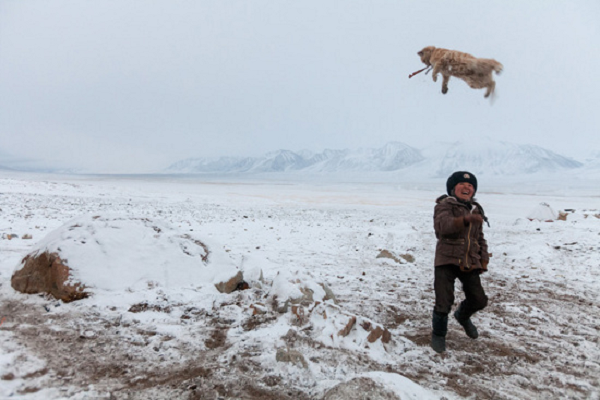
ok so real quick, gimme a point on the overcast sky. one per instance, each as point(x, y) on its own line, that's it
point(131, 86)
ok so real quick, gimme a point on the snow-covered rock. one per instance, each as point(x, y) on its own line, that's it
point(117, 253)
point(351, 388)
point(543, 212)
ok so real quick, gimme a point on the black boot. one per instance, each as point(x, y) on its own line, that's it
point(438, 335)
point(464, 319)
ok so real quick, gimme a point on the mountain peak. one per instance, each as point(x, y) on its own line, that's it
point(483, 156)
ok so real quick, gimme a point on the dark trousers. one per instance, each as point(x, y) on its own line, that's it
point(445, 275)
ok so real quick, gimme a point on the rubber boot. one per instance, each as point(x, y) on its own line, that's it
point(465, 320)
point(438, 334)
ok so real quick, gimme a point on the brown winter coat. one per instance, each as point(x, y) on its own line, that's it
point(459, 244)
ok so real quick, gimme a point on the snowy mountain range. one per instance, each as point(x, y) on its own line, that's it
point(490, 157)
point(393, 156)
point(487, 156)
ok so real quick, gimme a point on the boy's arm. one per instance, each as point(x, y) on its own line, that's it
point(444, 221)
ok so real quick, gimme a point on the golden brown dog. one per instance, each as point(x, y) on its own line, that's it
point(477, 72)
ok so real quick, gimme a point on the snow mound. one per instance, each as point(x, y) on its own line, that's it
point(119, 253)
point(543, 212)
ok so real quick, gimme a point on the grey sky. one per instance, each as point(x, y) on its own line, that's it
point(132, 86)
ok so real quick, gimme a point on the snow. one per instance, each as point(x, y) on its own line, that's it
point(543, 212)
point(539, 334)
point(136, 249)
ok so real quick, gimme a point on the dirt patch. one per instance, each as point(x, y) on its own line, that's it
point(116, 359)
point(141, 307)
point(217, 338)
point(255, 321)
point(528, 346)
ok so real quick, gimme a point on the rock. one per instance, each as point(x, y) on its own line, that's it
point(543, 212)
point(231, 284)
point(386, 254)
point(379, 332)
point(346, 330)
point(144, 306)
point(27, 236)
point(307, 297)
point(408, 257)
point(386, 337)
point(8, 377)
point(47, 273)
point(300, 314)
point(305, 300)
point(258, 308)
point(328, 293)
point(359, 389)
point(562, 216)
point(400, 259)
point(243, 285)
point(282, 308)
point(293, 289)
point(101, 254)
point(375, 334)
point(291, 356)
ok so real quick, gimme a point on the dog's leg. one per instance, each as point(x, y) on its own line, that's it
point(490, 89)
point(436, 70)
point(445, 83)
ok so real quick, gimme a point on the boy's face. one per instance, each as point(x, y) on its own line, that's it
point(464, 191)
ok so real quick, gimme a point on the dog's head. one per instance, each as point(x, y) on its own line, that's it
point(425, 54)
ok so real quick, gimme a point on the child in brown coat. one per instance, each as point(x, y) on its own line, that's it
point(461, 252)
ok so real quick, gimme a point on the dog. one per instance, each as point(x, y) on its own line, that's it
point(476, 72)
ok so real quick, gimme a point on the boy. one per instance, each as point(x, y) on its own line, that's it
point(461, 252)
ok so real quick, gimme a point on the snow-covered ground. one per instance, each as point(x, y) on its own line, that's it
point(540, 334)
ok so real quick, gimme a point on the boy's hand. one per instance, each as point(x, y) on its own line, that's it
point(474, 219)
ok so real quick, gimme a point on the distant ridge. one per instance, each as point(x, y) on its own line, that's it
point(486, 156)
point(11, 163)
point(490, 157)
point(393, 156)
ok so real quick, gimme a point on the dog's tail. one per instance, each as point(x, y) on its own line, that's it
point(493, 65)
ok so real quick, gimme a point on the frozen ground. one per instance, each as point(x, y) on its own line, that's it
point(540, 335)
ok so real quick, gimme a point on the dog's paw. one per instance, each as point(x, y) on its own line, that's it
point(444, 89)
